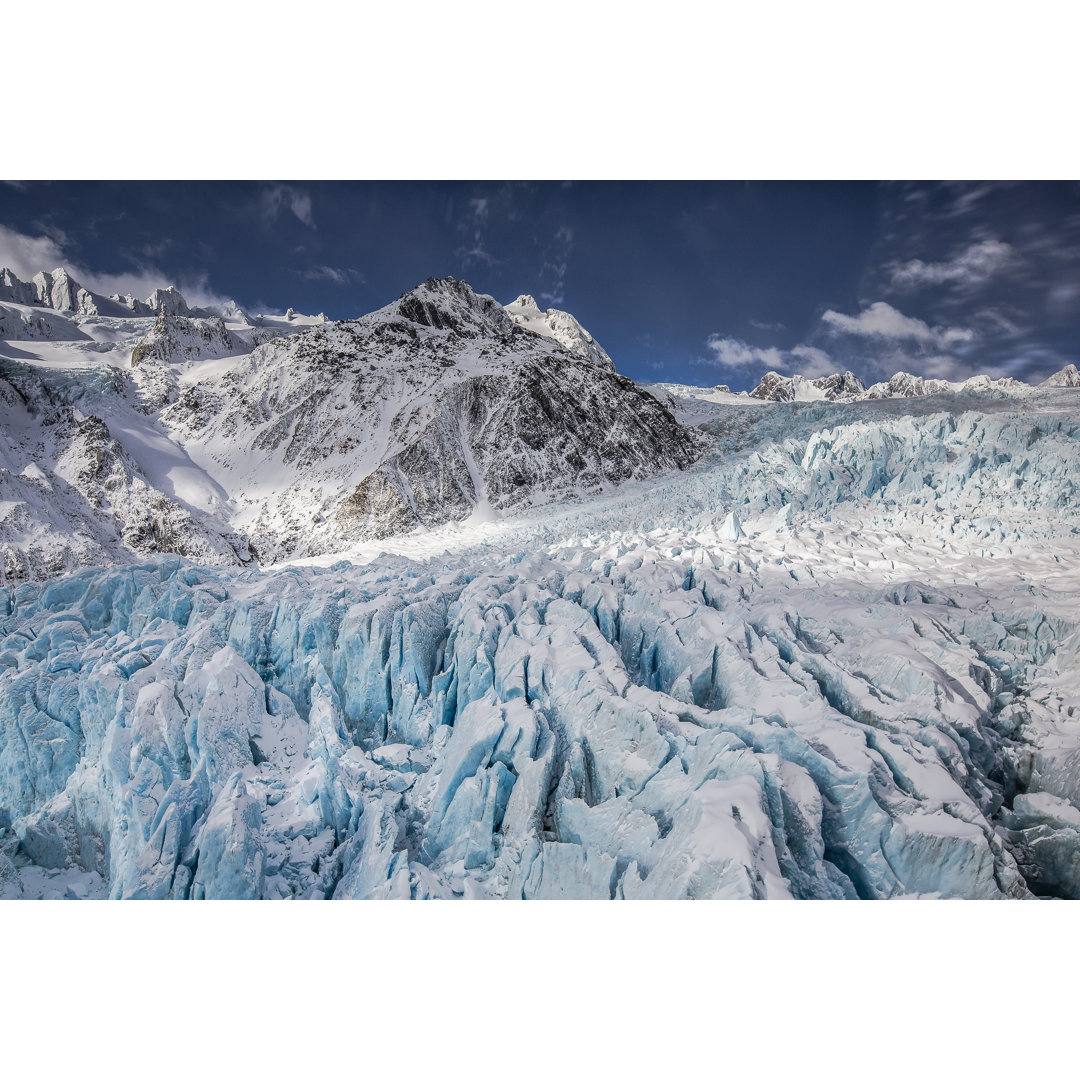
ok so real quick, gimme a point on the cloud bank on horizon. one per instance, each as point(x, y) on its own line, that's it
point(687, 282)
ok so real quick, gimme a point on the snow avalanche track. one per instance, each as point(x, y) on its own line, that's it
point(863, 685)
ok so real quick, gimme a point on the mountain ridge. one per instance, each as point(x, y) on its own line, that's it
point(303, 437)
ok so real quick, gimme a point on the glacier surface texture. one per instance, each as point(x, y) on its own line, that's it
point(836, 657)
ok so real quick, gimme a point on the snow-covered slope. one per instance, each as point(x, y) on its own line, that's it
point(88, 475)
point(562, 327)
point(1068, 376)
point(838, 657)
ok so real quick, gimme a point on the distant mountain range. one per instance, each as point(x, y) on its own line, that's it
point(848, 387)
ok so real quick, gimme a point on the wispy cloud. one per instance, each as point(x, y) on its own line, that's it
point(281, 197)
point(812, 362)
point(968, 196)
point(969, 269)
point(883, 321)
point(336, 275)
point(766, 325)
point(474, 222)
point(731, 352)
point(28, 255)
point(477, 254)
point(556, 263)
point(736, 355)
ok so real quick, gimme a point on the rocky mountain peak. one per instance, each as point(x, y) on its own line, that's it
point(60, 291)
point(839, 387)
point(15, 290)
point(1068, 376)
point(773, 387)
point(170, 301)
point(449, 304)
point(561, 326)
point(836, 387)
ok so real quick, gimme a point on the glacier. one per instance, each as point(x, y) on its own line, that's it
point(838, 657)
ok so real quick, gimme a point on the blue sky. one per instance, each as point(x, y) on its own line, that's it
point(691, 282)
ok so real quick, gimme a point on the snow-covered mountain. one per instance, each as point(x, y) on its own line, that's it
point(776, 387)
point(701, 404)
point(229, 437)
point(560, 325)
point(430, 410)
point(1068, 376)
point(58, 290)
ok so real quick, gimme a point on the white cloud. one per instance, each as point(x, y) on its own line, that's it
point(952, 336)
point(805, 360)
point(971, 267)
point(733, 353)
point(883, 321)
point(28, 255)
point(281, 197)
point(878, 320)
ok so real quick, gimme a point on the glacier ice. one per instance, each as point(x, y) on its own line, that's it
point(837, 658)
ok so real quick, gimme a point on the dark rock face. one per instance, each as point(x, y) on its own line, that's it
point(549, 430)
point(449, 304)
point(177, 337)
point(776, 387)
point(840, 387)
point(773, 387)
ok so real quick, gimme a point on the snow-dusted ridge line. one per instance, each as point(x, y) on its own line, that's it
point(846, 387)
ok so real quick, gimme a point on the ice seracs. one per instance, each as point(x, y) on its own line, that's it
point(604, 699)
point(732, 528)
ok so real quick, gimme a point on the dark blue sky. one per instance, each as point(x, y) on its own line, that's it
point(692, 282)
